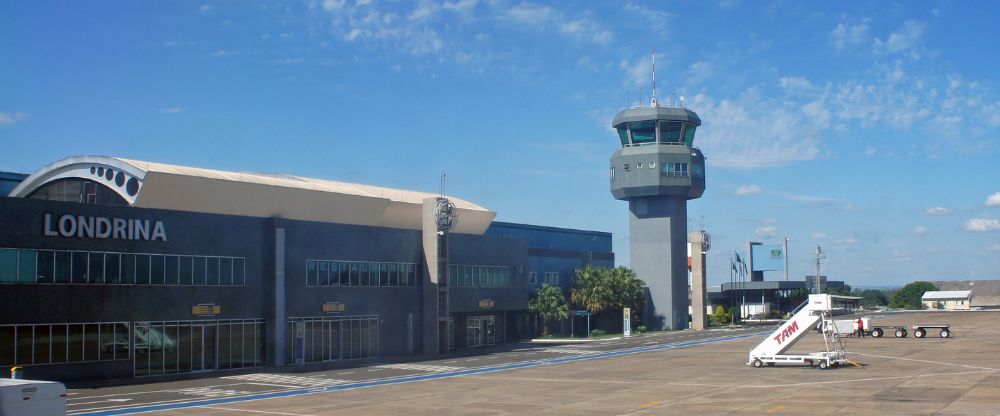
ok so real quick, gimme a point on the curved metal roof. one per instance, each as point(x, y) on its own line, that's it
point(183, 188)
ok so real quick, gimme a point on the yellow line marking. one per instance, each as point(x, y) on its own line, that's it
point(856, 364)
point(776, 408)
point(649, 404)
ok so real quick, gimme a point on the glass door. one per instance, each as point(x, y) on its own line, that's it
point(203, 350)
point(333, 340)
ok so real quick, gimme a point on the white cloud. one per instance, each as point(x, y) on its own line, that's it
point(586, 29)
point(766, 231)
point(531, 14)
point(423, 10)
point(817, 113)
point(937, 211)
point(748, 190)
point(740, 139)
point(819, 236)
point(982, 224)
point(698, 73)
point(329, 5)
point(993, 200)
point(11, 118)
point(172, 110)
point(844, 36)
point(459, 6)
point(638, 73)
point(919, 230)
point(205, 8)
point(846, 240)
point(809, 199)
point(224, 53)
point(870, 151)
point(795, 84)
point(994, 247)
point(906, 38)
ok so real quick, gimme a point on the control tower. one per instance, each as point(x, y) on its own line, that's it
point(657, 171)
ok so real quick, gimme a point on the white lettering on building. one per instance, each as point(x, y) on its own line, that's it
point(81, 226)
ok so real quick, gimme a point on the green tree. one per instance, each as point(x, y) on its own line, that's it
point(873, 297)
point(909, 296)
point(549, 303)
point(734, 315)
point(598, 289)
point(796, 297)
point(626, 289)
point(844, 290)
point(720, 316)
point(591, 290)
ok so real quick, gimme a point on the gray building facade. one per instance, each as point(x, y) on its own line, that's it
point(97, 284)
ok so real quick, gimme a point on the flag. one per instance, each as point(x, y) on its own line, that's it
point(743, 264)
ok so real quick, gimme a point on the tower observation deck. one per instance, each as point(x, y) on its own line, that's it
point(657, 170)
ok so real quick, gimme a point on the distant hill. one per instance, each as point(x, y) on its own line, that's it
point(885, 287)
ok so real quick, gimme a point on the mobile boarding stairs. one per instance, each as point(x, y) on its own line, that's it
point(773, 349)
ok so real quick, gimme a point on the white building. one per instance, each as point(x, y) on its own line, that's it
point(947, 299)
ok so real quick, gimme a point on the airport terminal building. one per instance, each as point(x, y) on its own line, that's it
point(113, 268)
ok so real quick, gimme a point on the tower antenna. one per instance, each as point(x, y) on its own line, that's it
point(652, 103)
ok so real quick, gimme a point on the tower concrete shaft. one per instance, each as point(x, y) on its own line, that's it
point(658, 255)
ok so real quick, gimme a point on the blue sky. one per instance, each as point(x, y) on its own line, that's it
point(869, 128)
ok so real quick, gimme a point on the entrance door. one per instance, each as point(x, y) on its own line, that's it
point(481, 330)
point(203, 349)
point(333, 340)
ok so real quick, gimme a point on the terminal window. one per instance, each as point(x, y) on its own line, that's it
point(63, 343)
point(468, 275)
point(322, 273)
point(101, 268)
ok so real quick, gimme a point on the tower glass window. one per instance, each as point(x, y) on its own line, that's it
point(623, 135)
point(643, 132)
point(689, 133)
point(670, 131)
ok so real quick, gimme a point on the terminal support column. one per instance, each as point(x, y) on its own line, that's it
point(279, 296)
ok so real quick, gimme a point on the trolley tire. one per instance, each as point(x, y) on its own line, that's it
point(945, 333)
point(757, 363)
point(920, 332)
point(877, 333)
point(900, 333)
point(823, 365)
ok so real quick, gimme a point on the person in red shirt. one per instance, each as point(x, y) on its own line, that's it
point(861, 328)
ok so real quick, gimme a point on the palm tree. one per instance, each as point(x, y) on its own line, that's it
point(593, 291)
point(549, 303)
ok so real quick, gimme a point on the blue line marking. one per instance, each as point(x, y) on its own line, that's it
point(410, 379)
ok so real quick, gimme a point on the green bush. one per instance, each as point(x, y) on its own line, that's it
point(641, 328)
point(597, 332)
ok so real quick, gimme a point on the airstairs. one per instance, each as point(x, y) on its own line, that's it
point(774, 348)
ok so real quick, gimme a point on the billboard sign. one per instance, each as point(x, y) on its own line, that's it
point(768, 257)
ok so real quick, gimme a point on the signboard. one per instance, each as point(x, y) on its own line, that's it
point(486, 303)
point(333, 307)
point(81, 226)
point(206, 309)
point(627, 322)
point(768, 257)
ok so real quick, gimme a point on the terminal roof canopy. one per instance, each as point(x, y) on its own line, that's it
point(163, 186)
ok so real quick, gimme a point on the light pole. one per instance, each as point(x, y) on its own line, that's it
point(819, 258)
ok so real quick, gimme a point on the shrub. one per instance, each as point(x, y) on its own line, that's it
point(597, 332)
point(641, 328)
